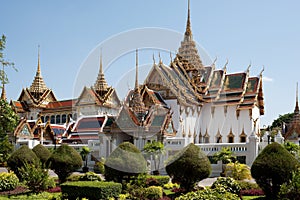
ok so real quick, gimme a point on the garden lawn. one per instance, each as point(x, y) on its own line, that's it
point(254, 198)
point(43, 195)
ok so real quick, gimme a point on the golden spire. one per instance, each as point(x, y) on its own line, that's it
point(188, 50)
point(297, 103)
point(38, 86)
point(101, 84)
point(136, 103)
point(136, 70)
point(188, 31)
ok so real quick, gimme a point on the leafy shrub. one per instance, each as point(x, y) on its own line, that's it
point(171, 185)
point(124, 162)
point(291, 190)
point(91, 190)
point(74, 177)
point(238, 171)
point(273, 167)
point(64, 160)
point(36, 178)
point(42, 153)
point(8, 181)
point(188, 166)
point(99, 166)
point(209, 194)
point(229, 184)
point(19, 157)
point(157, 180)
point(90, 176)
point(153, 192)
point(252, 192)
point(244, 185)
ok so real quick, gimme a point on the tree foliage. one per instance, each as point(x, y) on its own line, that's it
point(286, 118)
point(188, 166)
point(19, 157)
point(64, 160)
point(4, 63)
point(225, 155)
point(42, 153)
point(238, 171)
point(125, 162)
point(273, 167)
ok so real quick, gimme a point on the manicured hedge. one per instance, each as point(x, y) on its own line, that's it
point(161, 180)
point(91, 190)
point(8, 181)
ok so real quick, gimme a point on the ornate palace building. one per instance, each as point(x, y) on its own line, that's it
point(183, 100)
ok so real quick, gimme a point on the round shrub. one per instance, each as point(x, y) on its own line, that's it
point(229, 184)
point(153, 192)
point(64, 160)
point(188, 166)
point(124, 162)
point(19, 157)
point(209, 194)
point(273, 167)
point(90, 176)
point(8, 181)
point(42, 153)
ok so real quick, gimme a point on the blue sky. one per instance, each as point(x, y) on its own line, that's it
point(265, 33)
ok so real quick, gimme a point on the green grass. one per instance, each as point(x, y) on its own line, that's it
point(43, 195)
point(253, 197)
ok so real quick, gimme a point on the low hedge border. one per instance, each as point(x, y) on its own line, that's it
point(91, 190)
point(162, 180)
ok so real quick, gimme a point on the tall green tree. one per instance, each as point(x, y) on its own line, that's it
point(286, 118)
point(8, 122)
point(4, 62)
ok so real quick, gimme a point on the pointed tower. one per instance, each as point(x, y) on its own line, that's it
point(296, 111)
point(136, 103)
point(187, 49)
point(100, 85)
point(38, 86)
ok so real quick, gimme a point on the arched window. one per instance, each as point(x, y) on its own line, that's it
point(52, 119)
point(206, 137)
point(230, 136)
point(63, 118)
point(243, 136)
point(46, 118)
point(219, 137)
point(58, 119)
point(43, 119)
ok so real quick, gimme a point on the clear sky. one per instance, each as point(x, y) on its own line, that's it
point(265, 33)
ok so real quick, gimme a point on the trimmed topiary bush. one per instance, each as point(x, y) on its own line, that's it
point(124, 163)
point(90, 176)
point(19, 157)
point(229, 184)
point(42, 153)
point(273, 167)
point(153, 192)
point(188, 166)
point(91, 190)
point(64, 160)
point(8, 181)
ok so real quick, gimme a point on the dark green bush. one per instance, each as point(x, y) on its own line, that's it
point(161, 180)
point(291, 190)
point(273, 167)
point(36, 178)
point(64, 160)
point(124, 163)
point(90, 176)
point(8, 181)
point(229, 184)
point(19, 157)
point(188, 166)
point(153, 192)
point(42, 153)
point(91, 190)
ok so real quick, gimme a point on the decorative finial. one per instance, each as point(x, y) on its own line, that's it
point(297, 103)
point(101, 67)
point(136, 70)
point(3, 94)
point(248, 68)
point(188, 31)
point(153, 58)
point(214, 62)
point(171, 56)
point(160, 61)
point(38, 72)
point(225, 66)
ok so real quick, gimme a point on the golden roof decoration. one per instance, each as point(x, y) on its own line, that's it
point(38, 86)
point(100, 85)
